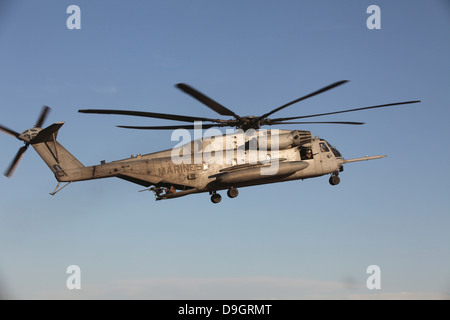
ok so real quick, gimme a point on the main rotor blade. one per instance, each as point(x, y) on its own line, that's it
point(15, 162)
point(316, 122)
point(217, 107)
point(203, 126)
point(349, 110)
point(9, 131)
point(42, 117)
point(149, 115)
point(331, 86)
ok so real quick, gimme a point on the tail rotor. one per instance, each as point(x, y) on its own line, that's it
point(27, 137)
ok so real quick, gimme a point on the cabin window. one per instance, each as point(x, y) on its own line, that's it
point(306, 153)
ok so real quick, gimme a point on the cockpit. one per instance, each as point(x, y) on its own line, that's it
point(306, 150)
point(327, 147)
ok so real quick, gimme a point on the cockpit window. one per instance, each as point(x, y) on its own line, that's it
point(324, 147)
point(335, 151)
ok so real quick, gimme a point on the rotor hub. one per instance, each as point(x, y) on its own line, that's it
point(29, 134)
point(250, 122)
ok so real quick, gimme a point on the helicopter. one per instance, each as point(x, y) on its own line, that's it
point(248, 156)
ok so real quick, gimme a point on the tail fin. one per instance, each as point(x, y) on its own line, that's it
point(57, 158)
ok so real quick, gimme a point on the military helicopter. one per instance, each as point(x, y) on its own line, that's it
point(248, 156)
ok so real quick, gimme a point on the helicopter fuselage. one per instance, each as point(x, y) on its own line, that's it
point(213, 166)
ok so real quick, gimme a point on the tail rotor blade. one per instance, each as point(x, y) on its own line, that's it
point(9, 131)
point(16, 161)
point(42, 117)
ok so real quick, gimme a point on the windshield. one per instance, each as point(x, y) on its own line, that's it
point(335, 151)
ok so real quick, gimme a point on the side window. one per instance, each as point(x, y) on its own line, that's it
point(324, 147)
point(306, 153)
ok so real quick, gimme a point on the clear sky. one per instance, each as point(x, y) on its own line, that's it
point(296, 240)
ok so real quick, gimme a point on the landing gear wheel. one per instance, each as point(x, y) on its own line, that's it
point(334, 180)
point(215, 198)
point(232, 193)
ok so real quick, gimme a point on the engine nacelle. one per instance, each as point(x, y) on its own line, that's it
point(282, 141)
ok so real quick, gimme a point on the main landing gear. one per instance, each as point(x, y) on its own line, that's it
point(334, 179)
point(232, 193)
point(216, 198)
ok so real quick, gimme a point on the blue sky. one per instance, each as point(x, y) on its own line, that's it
point(296, 240)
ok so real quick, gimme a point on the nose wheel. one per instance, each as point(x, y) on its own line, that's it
point(334, 180)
